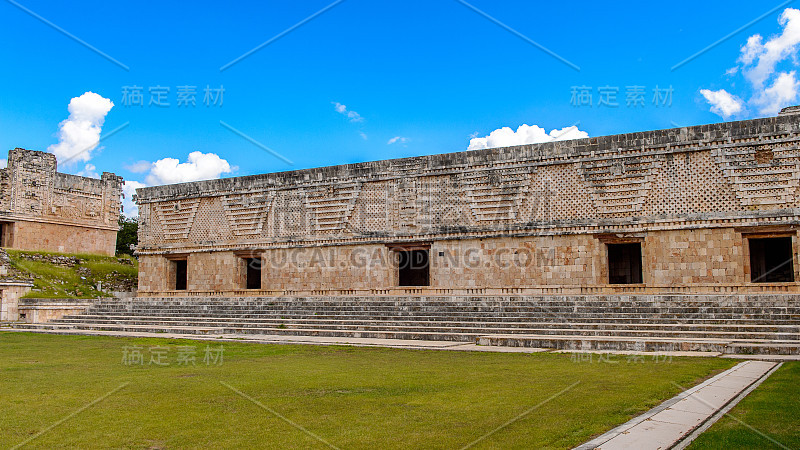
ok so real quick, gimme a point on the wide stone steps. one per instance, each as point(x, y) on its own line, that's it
point(475, 307)
point(768, 324)
point(433, 321)
point(504, 328)
point(568, 341)
point(767, 317)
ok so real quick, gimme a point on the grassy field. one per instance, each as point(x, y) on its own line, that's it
point(347, 397)
point(767, 418)
point(61, 275)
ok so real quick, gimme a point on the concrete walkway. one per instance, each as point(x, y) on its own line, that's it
point(676, 422)
point(415, 344)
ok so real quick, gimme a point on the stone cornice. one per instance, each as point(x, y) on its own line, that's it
point(781, 129)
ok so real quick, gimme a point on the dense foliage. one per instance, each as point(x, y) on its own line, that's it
point(127, 235)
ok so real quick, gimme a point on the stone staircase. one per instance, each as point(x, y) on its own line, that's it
point(734, 324)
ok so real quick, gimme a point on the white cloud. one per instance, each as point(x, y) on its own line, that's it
point(525, 134)
point(139, 166)
point(758, 62)
point(763, 57)
point(79, 134)
point(722, 102)
point(89, 170)
point(783, 92)
point(129, 208)
point(200, 166)
point(352, 115)
point(363, 135)
point(3, 163)
point(398, 139)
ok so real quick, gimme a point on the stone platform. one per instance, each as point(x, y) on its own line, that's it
point(736, 325)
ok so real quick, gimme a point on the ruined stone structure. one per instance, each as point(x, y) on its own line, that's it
point(703, 209)
point(42, 209)
point(671, 240)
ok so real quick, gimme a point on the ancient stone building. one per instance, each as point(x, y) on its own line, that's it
point(42, 209)
point(703, 209)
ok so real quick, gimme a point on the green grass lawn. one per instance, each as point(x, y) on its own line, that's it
point(772, 410)
point(78, 280)
point(347, 396)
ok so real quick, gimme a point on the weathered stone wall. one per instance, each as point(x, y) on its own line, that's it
point(44, 236)
point(42, 209)
point(683, 193)
point(154, 274)
point(695, 256)
point(10, 293)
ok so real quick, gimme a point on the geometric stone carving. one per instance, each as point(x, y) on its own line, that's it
point(330, 206)
point(246, 212)
point(761, 175)
point(176, 217)
point(620, 185)
point(404, 204)
point(495, 195)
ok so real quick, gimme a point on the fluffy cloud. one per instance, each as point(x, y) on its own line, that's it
point(200, 166)
point(758, 62)
point(398, 140)
point(760, 59)
point(139, 166)
point(722, 102)
point(3, 163)
point(352, 115)
point(89, 170)
point(79, 134)
point(783, 92)
point(129, 208)
point(525, 134)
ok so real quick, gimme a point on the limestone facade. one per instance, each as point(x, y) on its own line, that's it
point(42, 209)
point(674, 210)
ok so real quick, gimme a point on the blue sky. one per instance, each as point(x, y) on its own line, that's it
point(431, 74)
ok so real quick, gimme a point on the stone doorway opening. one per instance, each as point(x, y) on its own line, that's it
point(180, 274)
point(771, 260)
point(625, 263)
point(6, 230)
point(253, 276)
point(414, 267)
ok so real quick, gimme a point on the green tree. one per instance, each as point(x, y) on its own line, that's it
point(127, 235)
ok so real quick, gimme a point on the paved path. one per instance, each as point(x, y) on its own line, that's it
point(671, 424)
point(390, 343)
point(358, 342)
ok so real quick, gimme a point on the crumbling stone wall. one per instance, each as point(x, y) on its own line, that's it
point(686, 194)
point(42, 209)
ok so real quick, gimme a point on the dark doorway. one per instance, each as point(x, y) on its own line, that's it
point(253, 273)
point(625, 263)
point(414, 268)
point(2, 235)
point(180, 275)
point(771, 260)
